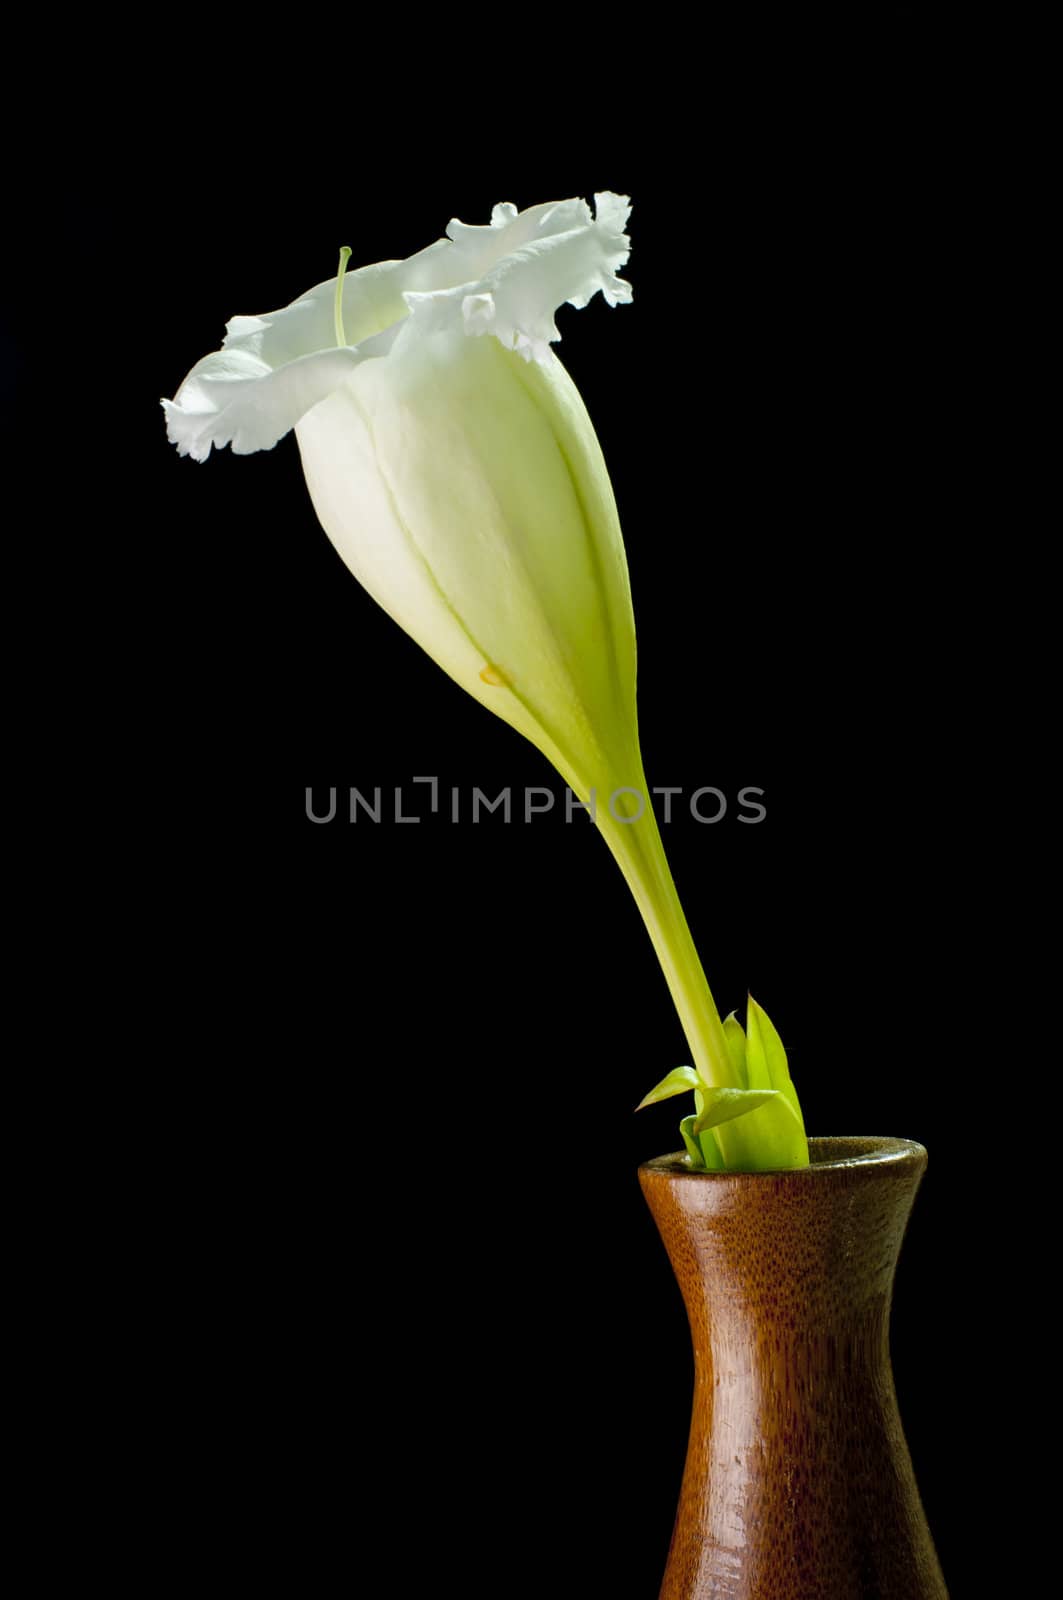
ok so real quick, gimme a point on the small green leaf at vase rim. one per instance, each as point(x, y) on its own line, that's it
point(724, 1104)
point(679, 1081)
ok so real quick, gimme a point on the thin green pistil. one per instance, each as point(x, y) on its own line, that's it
point(345, 256)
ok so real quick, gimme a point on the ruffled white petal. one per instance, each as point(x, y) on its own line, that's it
point(234, 398)
point(272, 369)
point(527, 264)
point(506, 278)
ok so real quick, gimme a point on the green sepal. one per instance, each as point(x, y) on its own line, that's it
point(679, 1081)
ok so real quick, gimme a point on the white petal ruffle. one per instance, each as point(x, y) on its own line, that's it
point(506, 278)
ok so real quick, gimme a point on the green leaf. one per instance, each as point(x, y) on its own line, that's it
point(736, 1049)
point(679, 1081)
point(757, 1068)
point(723, 1105)
point(765, 1048)
point(686, 1128)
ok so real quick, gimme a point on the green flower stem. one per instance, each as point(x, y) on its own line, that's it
point(639, 852)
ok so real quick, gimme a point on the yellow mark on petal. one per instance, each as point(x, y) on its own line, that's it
point(493, 675)
point(337, 310)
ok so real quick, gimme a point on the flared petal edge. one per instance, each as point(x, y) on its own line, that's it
point(526, 264)
point(506, 278)
point(233, 398)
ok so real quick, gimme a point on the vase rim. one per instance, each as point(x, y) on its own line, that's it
point(826, 1155)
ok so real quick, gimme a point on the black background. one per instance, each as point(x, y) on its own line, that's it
point(371, 1190)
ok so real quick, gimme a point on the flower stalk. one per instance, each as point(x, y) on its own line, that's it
point(639, 852)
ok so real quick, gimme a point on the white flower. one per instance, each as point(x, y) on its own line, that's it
point(452, 463)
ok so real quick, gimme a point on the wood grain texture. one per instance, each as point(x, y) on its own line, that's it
point(798, 1483)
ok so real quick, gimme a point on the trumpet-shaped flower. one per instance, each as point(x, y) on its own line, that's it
point(451, 461)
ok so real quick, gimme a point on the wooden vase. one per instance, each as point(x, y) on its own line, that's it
point(798, 1483)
